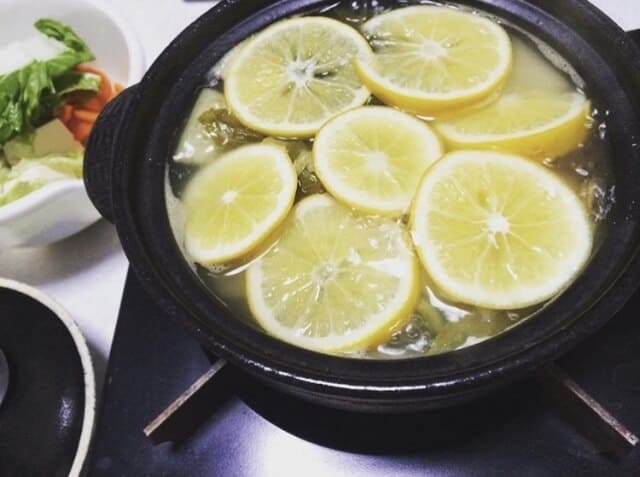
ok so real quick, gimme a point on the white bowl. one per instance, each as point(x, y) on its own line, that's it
point(62, 208)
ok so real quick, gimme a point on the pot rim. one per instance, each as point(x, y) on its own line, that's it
point(165, 274)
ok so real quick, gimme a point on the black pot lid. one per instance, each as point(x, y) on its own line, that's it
point(47, 416)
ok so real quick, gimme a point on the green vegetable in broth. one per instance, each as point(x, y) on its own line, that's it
point(432, 318)
point(470, 329)
point(195, 146)
point(300, 153)
point(224, 129)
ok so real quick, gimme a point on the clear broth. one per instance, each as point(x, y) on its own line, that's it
point(437, 325)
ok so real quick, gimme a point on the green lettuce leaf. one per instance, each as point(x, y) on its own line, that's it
point(70, 165)
point(19, 191)
point(31, 95)
point(29, 175)
point(74, 81)
point(4, 169)
point(77, 52)
point(26, 99)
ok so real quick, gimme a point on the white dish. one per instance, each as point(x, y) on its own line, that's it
point(62, 208)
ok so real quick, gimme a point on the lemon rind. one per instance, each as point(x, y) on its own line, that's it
point(579, 108)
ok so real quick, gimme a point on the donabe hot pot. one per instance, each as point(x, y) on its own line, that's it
point(126, 168)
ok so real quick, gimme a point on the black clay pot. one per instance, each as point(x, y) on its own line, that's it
point(125, 174)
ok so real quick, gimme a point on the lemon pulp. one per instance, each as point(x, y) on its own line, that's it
point(295, 75)
point(334, 280)
point(372, 158)
point(235, 202)
point(428, 59)
point(498, 231)
point(540, 114)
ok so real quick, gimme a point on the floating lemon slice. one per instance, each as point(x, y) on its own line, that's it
point(335, 280)
point(535, 123)
point(372, 158)
point(293, 76)
point(429, 59)
point(235, 202)
point(498, 231)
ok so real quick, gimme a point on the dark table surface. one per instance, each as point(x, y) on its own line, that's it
point(516, 432)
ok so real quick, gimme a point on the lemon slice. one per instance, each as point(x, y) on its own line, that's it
point(294, 75)
point(534, 123)
point(372, 158)
point(428, 59)
point(499, 231)
point(334, 281)
point(235, 202)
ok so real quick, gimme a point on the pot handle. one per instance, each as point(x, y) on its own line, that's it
point(100, 149)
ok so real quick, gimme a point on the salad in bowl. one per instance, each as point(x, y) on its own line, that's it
point(52, 89)
point(48, 102)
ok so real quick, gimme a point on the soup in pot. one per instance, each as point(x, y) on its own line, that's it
point(390, 182)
